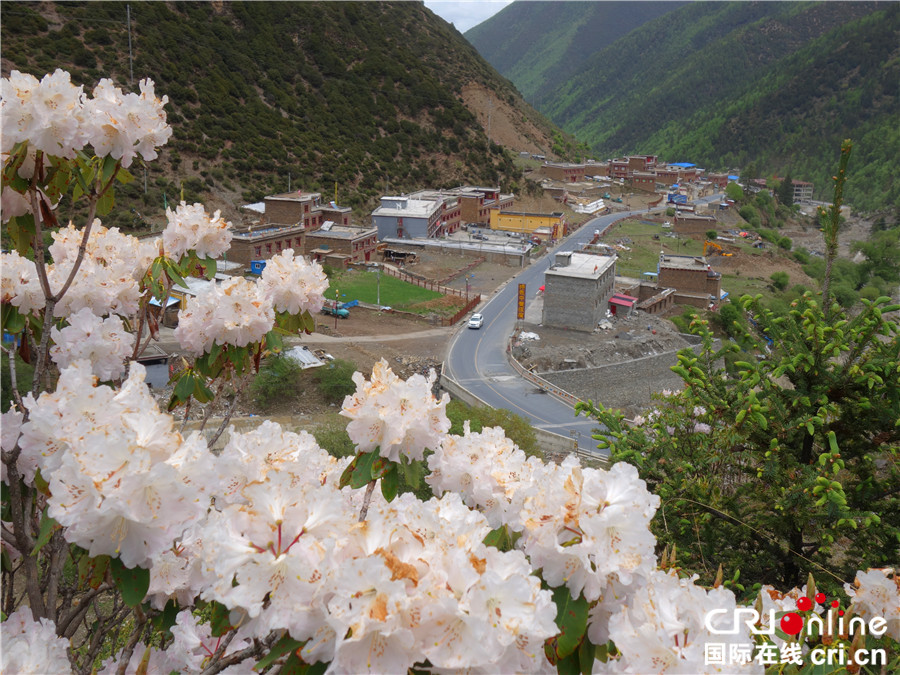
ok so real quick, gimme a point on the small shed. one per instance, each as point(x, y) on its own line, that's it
point(622, 305)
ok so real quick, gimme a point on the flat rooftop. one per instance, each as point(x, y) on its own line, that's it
point(583, 266)
point(340, 232)
point(298, 196)
point(406, 206)
point(684, 262)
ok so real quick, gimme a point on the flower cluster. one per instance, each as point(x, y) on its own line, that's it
point(55, 117)
point(662, 629)
point(292, 284)
point(230, 313)
point(31, 646)
point(585, 528)
point(107, 281)
point(398, 417)
point(108, 457)
point(239, 311)
point(190, 228)
point(874, 594)
point(103, 342)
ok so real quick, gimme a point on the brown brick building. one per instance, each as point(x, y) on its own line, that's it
point(261, 242)
point(338, 246)
point(565, 172)
point(691, 276)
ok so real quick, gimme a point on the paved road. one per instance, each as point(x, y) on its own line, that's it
point(476, 359)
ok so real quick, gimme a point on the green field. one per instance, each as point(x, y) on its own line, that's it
point(363, 286)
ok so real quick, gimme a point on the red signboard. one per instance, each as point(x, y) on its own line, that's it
point(520, 314)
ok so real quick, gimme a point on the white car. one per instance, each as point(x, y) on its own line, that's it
point(476, 321)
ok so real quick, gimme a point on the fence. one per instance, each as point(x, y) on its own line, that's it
point(544, 385)
point(422, 282)
point(470, 305)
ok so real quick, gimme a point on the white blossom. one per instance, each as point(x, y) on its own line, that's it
point(293, 284)
point(230, 313)
point(103, 342)
point(396, 416)
point(874, 594)
point(31, 646)
point(126, 125)
point(190, 228)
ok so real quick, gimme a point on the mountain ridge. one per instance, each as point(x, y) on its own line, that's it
point(688, 85)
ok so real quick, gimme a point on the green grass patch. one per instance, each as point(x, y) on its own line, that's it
point(363, 286)
point(644, 253)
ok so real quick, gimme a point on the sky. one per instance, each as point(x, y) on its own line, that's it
point(464, 14)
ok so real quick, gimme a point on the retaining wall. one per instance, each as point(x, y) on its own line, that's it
point(626, 385)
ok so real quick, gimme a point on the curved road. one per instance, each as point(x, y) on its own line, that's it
point(476, 359)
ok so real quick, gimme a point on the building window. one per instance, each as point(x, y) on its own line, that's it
point(257, 251)
point(277, 245)
point(268, 248)
point(299, 243)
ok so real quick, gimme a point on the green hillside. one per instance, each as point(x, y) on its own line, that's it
point(364, 97)
point(539, 44)
point(727, 84)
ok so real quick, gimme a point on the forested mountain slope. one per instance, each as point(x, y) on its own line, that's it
point(727, 84)
point(364, 97)
point(539, 44)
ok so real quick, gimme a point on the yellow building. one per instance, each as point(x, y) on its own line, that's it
point(529, 223)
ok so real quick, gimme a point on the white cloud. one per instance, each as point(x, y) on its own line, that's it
point(464, 14)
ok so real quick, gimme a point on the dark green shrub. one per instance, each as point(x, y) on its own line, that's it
point(278, 380)
point(335, 380)
point(785, 243)
point(780, 280)
point(801, 255)
point(711, 234)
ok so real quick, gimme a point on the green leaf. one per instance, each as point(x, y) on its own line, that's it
point(586, 656)
point(362, 474)
point(390, 483)
point(185, 387)
point(108, 169)
point(498, 538)
point(174, 273)
point(571, 617)
point(12, 321)
point(568, 665)
point(124, 176)
point(106, 203)
point(48, 527)
point(166, 619)
point(283, 646)
point(92, 570)
point(210, 264)
point(132, 582)
point(218, 620)
point(202, 393)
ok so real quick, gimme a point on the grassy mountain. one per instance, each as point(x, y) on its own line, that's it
point(539, 44)
point(727, 84)
point(371, 96)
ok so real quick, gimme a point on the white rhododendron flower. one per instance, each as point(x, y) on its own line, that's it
point(874, 594)
point(230, 313)
point(396, 416)
point(48, 114)
point(112, 486)
point(126, 125)
point(190, 228)
point(103, 342)
point(293, 284)
point(662, 629)
point(31, 646)
point(20, 286)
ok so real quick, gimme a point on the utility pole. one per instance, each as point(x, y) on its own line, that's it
point(378, 286)
point(130, 59)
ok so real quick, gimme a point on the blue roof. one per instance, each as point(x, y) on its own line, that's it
point(683, 165)
point(733, 177)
